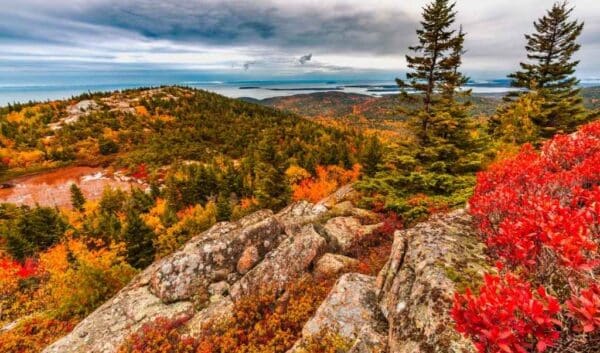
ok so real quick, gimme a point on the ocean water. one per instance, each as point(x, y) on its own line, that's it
point(34, 86)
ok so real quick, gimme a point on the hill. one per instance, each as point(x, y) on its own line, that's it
point(111, 182)
point(381, 113)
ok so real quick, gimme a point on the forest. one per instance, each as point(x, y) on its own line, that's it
point(528, 169)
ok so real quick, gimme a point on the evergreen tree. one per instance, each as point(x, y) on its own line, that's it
point(139, 241)
point(35, 230)
point(77, 198)
point(441, 123)
point(223, 208)
point(372, 156)
point(550, 71)
point(272, 190)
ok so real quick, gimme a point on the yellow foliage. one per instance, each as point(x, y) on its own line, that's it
point(165, 118)
point(296, 174)
point(15, 117)
point(81, 275)
point(193, 221)
point(515, 120)
point(152, 218)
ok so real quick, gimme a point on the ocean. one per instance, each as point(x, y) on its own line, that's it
point(33, 86)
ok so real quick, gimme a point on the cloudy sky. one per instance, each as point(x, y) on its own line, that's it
point(265, 37)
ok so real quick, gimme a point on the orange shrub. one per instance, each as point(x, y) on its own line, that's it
point(328, 179)
point(34, 334)
point(160, 336)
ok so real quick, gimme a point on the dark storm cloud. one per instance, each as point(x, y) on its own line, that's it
point(305, 58)
point(271, 34)
point(338, 27)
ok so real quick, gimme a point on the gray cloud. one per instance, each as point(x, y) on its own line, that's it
point(305, 58)
point(338, 26)
point(264, 34)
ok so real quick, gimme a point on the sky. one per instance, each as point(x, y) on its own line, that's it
point(265, 38)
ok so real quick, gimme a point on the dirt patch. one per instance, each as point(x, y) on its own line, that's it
point(52, 188)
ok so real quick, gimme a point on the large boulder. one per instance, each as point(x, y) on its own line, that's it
point(214, 256)
point(345, 232)
point(105, 329)
point(330, 265)
point(350, 312)
point(416, 286)
point(283, 265)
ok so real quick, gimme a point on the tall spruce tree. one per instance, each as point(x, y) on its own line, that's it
point(139, 241)
point(77, 198)
point(442, 124)
point(550, 69)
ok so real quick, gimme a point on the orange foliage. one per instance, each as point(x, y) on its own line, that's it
point(34, 334)
point(141, 110)
point(328, 179)
point(80, 276)
point(265, 323)
point(248, 203)
point(160, 336)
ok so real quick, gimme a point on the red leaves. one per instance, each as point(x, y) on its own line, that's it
point(585, 309)
point(162, 335)
point(23, 271)
point(539, 213)
point(547, 201)
point(141, 172)
point(507, 316)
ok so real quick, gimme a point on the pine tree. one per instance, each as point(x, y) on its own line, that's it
point(372, 156)
point(139, 241)
point(223, 208)
point(550, 71)
point(441, 123)
point(77, 198)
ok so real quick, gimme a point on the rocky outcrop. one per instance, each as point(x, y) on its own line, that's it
point(178, 285)
point(345, 232)
point(416, 286)
point(107, 327)
point(204, 279)
point(349, 312)
point(403, 310)
point(330, 265)
point(214, 257)
point(283, 265)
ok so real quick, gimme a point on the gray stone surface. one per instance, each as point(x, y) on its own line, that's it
point(345, 232)
point(350, 311)
point(283, 265)
point(330, 265)
point(416, 286)
point(213, 256)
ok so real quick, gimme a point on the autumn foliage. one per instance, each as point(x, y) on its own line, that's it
point(327, 180)
point(160, 336)
point(268, 322)
point(539, 214)
point(507, 316)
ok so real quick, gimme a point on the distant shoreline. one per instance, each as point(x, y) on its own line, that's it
point(259, 90)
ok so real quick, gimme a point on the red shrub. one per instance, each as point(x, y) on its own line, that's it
point(141, 172)
point(23, 271)
point(539, 214)
point(160, 336)
point(507, 316)
point(546, 201)
point(585, 309)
